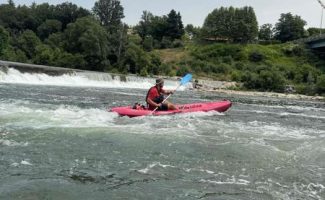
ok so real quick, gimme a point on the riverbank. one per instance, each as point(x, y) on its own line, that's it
point(198, 84)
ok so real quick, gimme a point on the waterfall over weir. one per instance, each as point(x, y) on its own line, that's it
point(16, 73)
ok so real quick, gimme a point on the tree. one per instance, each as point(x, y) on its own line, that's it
point(136, 60)
point(289, 28)
point(47, 55)
point(158, 27)
point(27, 42)
point(109, 13)
point(265, 32)
point(67, 13)
point(244, 28)
point(192, 31)
point(148, 43)
point(238, 24)
point(11, 3)
point(88, 38)
point(218, 23)
point(48, 27)
point(175, 28)
point(315, 31)
point(4, 40)
point(144, 26)
point(8, 17)
point(150, 25)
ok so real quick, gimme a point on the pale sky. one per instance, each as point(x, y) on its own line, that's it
point(195, 11)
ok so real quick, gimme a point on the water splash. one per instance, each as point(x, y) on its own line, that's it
point(91, 79)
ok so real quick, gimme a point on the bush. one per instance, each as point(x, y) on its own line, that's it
point(196, 66)
point(228, 60)
point(177, 44)
point(239, 65)
point(143, 72)
point(156, 44)
point(222, 68)
point(148, 43)
point(256, 56)
point(211, 52)
point(166, 43)
point(294, 50)
point(306, 74)
point(271, 80)
point(182, 71)
point(320, 85)
point(135, 38)
point(236, 76)
point(251, 80)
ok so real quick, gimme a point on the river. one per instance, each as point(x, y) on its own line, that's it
point(58, 141)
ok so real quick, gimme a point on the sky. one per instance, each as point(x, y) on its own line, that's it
point(195, 11)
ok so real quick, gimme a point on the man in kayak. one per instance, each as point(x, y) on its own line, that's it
point(155, 97)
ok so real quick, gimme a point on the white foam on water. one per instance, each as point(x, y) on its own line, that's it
point(301, 115)
point(23, 115)
point(13, 76)
point(12, 143)
point(282, 191)
point(25, 162)
point(153, 165)
point(276, 130)
point(228, 181)
point(20, 114)
point(283, 113)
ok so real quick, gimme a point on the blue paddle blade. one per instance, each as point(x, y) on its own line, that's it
point(187, 78)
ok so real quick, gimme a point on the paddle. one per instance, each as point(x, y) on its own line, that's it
point(187, 78)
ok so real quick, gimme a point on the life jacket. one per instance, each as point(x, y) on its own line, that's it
point(157, 99)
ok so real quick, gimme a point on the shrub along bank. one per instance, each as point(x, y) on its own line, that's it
point(259, 67)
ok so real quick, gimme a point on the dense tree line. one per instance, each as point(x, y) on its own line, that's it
point(66, 35)
point(289, 27)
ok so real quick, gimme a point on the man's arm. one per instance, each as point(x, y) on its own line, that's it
point(168, 92)
point(152, 103)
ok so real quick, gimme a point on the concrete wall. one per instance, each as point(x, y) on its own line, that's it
point(30, 68)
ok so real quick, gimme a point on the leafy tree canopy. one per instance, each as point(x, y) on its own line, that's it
point(290, 27)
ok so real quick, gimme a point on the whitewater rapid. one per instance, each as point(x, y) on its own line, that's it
point(85, 79)
point(58, 140)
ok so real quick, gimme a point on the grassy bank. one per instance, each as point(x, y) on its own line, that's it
point(257, 67)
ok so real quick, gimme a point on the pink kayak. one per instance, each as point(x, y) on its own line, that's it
point(220, 106)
